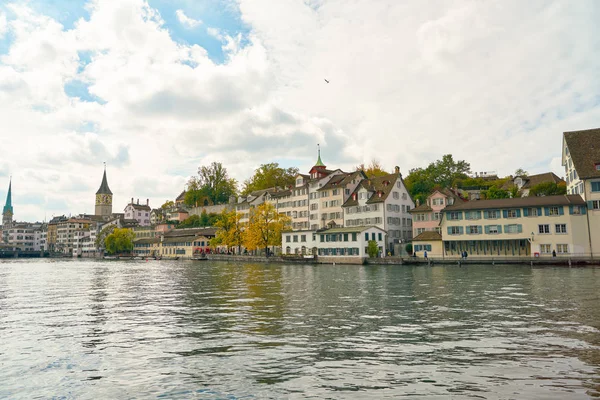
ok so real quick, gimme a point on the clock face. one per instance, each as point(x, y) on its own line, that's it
point(105, 199)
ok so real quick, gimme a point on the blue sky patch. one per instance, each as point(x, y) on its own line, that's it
point(80, 89)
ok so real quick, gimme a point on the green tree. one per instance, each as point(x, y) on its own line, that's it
point(373, 170)
point(514, 192)
point(119, 241)
point(548, 189)
point(439, 174)
point(495, 192)
point(107, 230)
point(372, 249)
point(521, 172)
point(167, 205)
point(195, 194)
point(268, 176)
point(265, 227)
point(218, 186)
point(409, 248)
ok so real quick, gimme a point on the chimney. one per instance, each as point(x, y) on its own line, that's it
point(132, 200)
point(147, 202)
point(397, 169)
point(418, 202)
point(138, 201)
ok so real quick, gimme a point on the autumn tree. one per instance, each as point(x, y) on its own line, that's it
point(268, 176)
point(265, 227)
point(230, 231)
point(374, 169)
point(120, 240)
point(167, 205)
point(548, 189)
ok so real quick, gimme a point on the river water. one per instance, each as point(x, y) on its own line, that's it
point(191, 329)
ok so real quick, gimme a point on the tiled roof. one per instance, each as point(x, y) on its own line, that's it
point(427, 235)
point(192, 232)
point(349, 229)
point(421, 208)
point(532, 201)
point(378, 184)
point(181, 196)
point(140, 206)
point(146, 240)
point(584, 148)
point(280, 193)
point(534, 180)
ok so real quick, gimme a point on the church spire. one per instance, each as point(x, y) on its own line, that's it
point(8, 206)
point(319, 162)
point(104, 189)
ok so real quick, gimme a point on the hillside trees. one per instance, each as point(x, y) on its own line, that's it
point(211, 186)
point(268, 176)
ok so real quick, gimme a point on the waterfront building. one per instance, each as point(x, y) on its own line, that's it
point(52, 232)
point(384, 202)
point(69, 234)
point(104, 197)
point(184, 243)
point(581, 159)
point(139, 212)
point(178, 214)
point(337, 243)
point(25, 236)
point(252, 200)
point(427, 216)
point(519, 227)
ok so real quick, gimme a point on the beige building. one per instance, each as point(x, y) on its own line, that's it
point(520, 227)
point(581, 159)
point(178, 243)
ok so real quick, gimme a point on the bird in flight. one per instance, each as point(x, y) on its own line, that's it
point(326, 81)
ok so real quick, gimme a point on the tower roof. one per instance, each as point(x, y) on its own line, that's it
point(319, 162)
point(104, 189)
point(8, 205)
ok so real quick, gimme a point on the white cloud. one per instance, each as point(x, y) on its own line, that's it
point(494, 83)
point(3, 25)
point(186, 21)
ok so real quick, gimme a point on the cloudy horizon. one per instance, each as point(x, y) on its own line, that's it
point(157, 88)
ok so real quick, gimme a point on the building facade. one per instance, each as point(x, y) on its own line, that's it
point(520, 227)
point(426, 217)
point(139, 212)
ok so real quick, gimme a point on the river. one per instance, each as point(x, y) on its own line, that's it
point(199, 329)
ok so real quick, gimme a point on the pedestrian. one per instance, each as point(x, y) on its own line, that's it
point(466, 254)
point(425, 254)
point(553, 253)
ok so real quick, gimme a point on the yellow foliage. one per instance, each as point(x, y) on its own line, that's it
point(265, 227)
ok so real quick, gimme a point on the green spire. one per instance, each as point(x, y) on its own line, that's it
point(8, 206)
point(319, 162)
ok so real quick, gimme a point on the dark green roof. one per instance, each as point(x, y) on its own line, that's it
point(8, 206)
point(104, 189)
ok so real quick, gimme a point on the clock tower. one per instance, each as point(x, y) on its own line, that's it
point(104, 198)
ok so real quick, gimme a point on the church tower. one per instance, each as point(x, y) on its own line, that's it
point(7, 212)
point(319, 170)
point(103, 198)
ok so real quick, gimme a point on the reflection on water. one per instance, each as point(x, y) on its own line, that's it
point(96, 329)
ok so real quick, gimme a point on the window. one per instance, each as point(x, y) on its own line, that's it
point(287, 238)
point(474, 230)
point(492, 229)
point(553, 211)
point(379, 236)
point(545, 248)
point(562, 248)
point(396, 195)
point(493, 214)
point(438, 202)
point(336, 192)
point(544, 228)
point(531, 212)
point(453, 216)
point(436, 216)
point(418, 231)
point(303, 238)
point(454, 230)
point(596, 185)
point(450, 201)
point(473, 215)
point(560, 228)
point(354, 237)
point(367, 236)
point(597, 166)
point(513, 228)
point(511, 213)
point(595, 204)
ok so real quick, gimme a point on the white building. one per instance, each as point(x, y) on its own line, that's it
point(334, 242)
point(383, 202)
point(139, 212)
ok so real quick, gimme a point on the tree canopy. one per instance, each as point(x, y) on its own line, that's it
point(199, 221)
point(268, 176)
point(120, 240)
point(230, 230)
point(495, 192)
point(373, 170)
point(211, 186)
point(265, 227)
point(521, 172)
point(548, 189)
point(420, 182)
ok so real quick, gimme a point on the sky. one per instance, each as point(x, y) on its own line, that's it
point(157, 88)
